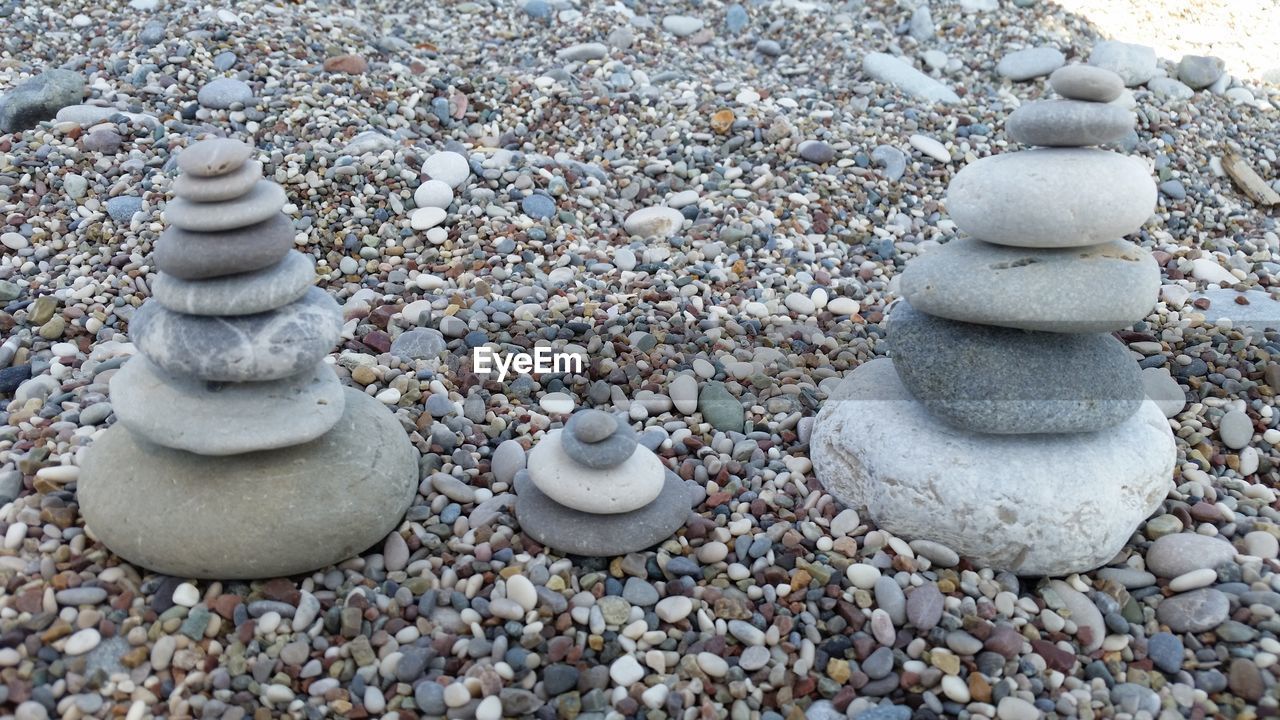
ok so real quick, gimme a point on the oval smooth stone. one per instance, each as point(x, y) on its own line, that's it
point(1004, 381)
point(254, 515)
point(225, 418)
point(1086, 82)
point(260, 203)
point(1101, 288)
point(218, 189)
point(239, 294)
point(628, 486)
point(199, 255)
point(1068, 123)
point(592, 535)
point(1052, 197)
point(213, 157)
point(242, 348)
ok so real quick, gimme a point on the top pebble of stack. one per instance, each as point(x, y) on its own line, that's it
point(211, 158)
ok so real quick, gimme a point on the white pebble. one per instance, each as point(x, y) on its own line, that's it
point(625, 671)
point(521, 591)
point(489, 708)
point(930, 147)
point(425, 218)
point(82, 642)
point(433, 194)
point(863, 576)
point(186, 595)
point(1203, 577)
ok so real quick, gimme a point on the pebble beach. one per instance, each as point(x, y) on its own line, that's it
point(712, 204)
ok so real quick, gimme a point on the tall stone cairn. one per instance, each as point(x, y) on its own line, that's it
point(1010, 424)
point(238, 453)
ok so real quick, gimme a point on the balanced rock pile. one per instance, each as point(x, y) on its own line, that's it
point(592, 489)
point(1010, 424)
point(238, 453)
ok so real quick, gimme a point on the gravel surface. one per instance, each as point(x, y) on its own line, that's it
point(801, 187)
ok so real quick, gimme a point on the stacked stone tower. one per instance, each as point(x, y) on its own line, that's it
point(591, 489)
point(238, 453)
point(1011, 425)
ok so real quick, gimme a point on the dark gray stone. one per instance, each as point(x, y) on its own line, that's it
point(240, 294)
point(817, 151)
point(199, 255)
point(589, 534)
point(40, 98)
point(1195, 611)
point(1035, 289)
point(720, 408)
point(619, 445)
point(245, 348)
point(256, 515)
point(1068, 123)
point(999, 380)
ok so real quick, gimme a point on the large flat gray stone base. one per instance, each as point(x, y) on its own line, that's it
point(1029, 504)
point(254, 515)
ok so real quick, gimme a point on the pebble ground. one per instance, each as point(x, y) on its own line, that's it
point(775, 602)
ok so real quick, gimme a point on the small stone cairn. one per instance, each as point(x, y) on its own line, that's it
point(591, 489)
point(238, 453)
point(1011, 425)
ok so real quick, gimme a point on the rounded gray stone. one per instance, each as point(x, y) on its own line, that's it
point(592, 426)
point(589, 534)
point(1052, 197)
point(220, 188)
point(610, 452)
point(244, 348)
point(200, 255)
point(1030, 63)
point(222, 93)
point(256, 515)
point(1180, 553)
point(214, 157)
point(1035, 289)
point(1003, 381)
point(225, 418)
point(1031, 504)
point(418, 343)
point(1068, 123)
point(1134, 63)
point(26, 104)
point(1086, 82)
point(240, 294)
point(1195, 611)
point(258, 205)
point(1200, 71)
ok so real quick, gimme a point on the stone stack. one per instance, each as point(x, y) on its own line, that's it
point(238, 453)
point(1011, 425)
point(592, 489)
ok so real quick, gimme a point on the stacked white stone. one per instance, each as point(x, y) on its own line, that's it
point(232, 303)
point(238, 453)
point(591, 489)
point(1021, 411)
